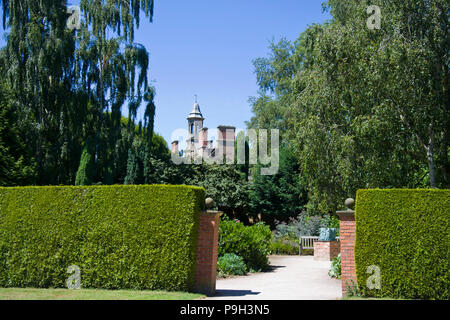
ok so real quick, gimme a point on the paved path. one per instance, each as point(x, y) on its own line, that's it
point(291, 278)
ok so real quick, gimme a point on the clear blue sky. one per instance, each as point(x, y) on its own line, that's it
point(206, 47)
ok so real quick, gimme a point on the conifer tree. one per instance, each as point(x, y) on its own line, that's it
point(85, 174)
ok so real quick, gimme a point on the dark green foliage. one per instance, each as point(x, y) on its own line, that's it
point(134, 169)
point(37, 63)
point(70, 85)
point(159, 147)
point(231, 265)
point(121, 237)
point(252, 243)
point(224, 183)
point(15, 166)
point(85, 174)
point(149, 165)
point(362, 108)
point(279, 196)
point(406, 233)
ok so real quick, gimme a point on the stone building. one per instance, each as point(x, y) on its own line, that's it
point(197, 143)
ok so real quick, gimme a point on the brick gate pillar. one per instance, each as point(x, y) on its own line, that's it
point(347, 239)
point(206, 255)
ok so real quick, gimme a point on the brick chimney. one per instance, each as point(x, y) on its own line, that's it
point(175, 146)
point(225, 142)
point(203, 137)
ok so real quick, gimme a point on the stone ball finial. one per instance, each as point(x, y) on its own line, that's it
point(350, 203)
point(209, 203)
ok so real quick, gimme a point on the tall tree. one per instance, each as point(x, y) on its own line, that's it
point(85, 174)
point(113, 69)
point(281, 196)
point(372, 108)
point(15, 168)
point(38, 62)
point(364, 108)
point(70, 86)
point(226, 184)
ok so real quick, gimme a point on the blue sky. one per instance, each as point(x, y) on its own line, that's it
point(206, 48)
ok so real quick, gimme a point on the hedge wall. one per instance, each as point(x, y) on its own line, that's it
point(127, 237)
point(406, 233)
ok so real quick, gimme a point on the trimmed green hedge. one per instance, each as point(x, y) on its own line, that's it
point(406, 233)
point(121, 237)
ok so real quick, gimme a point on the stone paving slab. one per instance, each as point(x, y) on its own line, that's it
point(290, 278)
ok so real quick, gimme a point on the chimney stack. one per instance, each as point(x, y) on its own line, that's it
point(203, 137)
point(225, 142)
point(175, 147)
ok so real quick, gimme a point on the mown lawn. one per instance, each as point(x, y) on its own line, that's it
point(370, 298)
point(92, 294)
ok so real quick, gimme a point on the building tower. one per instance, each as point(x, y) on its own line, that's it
point(195, 125)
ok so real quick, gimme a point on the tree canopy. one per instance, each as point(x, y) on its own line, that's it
point(69, 87)
point(364, 108)
point(356, 107)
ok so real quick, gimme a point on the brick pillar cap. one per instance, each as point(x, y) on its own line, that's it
point(212, 213)
point(349, 203)
point(343, 214)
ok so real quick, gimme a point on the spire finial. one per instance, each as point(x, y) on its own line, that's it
point(196, 98)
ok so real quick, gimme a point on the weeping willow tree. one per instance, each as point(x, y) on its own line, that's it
point(112, 70)
point(70, 86)
point(38, 60)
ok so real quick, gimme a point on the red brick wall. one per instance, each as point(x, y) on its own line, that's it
point(206, 259)
point(347, 238)
point(326, 250)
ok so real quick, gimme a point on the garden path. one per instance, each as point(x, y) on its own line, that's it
point(290, 278)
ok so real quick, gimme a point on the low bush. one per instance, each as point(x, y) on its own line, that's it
point(231, 264)
point(284, 247)
point(406, 234)
point(252, 243)
point(335, 270)
point(304, 225)
point(121, 237)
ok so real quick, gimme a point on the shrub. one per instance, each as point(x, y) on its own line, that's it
point(284, 247)
point(335, 270)
point(231, 264)
point(121, 237)
point(304, 225)
point(406, 234)
point(329, 221)
point(251, 243)
point(86, 169)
